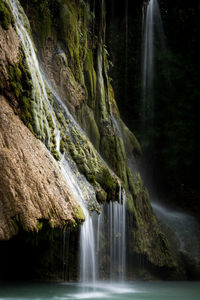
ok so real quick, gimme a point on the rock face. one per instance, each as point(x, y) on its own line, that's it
point(32, 186)
point(70, 41)
point(9, 49)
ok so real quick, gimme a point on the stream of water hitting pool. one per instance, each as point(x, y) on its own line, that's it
point(89, 258)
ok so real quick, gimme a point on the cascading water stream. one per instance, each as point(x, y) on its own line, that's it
point(126, 48)
point(111, 225)
point(39, 93)
point(152, 67)
point(87, 244)
point(148, 63)
point(88, 263)
point(184, 227)
point(115, 210)
point(117, 214)
point(152, 38)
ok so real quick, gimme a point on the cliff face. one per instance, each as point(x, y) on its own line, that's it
point(32, 185)
point(31, 181)
point(70, 42)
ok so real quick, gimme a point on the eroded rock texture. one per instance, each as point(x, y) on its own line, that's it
point(71, 45)
point(31, 184)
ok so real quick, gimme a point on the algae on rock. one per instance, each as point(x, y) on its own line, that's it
point(5, 15)
point(83, 83)
point(73, 55)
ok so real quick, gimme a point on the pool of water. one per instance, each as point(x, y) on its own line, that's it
point(127, 291)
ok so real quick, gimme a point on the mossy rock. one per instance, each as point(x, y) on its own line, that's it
point(130, 205)
point(62, 146)
point(79, 215)
point(90, 126)
point(55, 154)
point(74, 35)
point(5, 15)
point(90, 79)
point(21, 86)
point(101, 195)
point(45, 26)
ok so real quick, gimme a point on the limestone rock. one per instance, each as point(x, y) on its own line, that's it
point(31, 184)
point(9, 51)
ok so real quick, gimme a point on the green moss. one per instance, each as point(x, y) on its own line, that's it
point(43, 25)
point(130, 205)
point(5, 16)
point(91, 178)
point(15, 76)
point(101, 196)
point(138, 184)
point(70, 18)
point(20, 85)
point(18, 73)
point(30, 127)
point(90, 165)
point(90, 79)
point(107, 182)
point(51, 224)
point(53, 141)
point(49, 94)
point(135, 183)
point(112, 99)
point(50, 122)
point(131, 141)
point(62, 146)
point(74, 35)
point(61, 118)
point(39, 225)
point(55, 154)
point(26, 112)
point(79, 215)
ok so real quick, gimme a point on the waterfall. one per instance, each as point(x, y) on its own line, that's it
point(181, 228)
point(39, 94)
point(148, 64)
point(117, 219)
point(79, 186)
point(152, 39)
point(111, 226)
point(87, 245)
point(126, 49)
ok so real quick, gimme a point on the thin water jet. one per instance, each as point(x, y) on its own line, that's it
point(152, 39)
point(111, 225)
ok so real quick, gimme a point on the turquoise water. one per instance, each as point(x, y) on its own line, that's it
point(129, 291)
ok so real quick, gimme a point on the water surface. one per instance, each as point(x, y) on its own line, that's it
point(128, 291)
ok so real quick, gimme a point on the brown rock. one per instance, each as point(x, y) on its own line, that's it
point(9, 50)
point(32, 186)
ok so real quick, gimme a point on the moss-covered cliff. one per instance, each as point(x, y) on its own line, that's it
point(70, 42)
